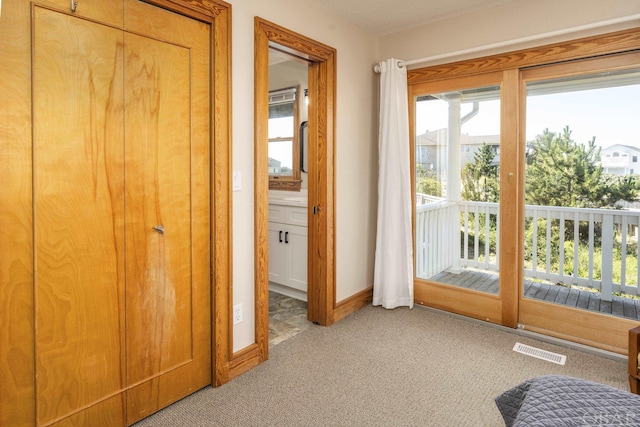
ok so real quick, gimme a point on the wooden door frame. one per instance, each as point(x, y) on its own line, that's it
point(321, 202)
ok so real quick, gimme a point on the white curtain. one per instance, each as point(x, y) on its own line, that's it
point(393, 272)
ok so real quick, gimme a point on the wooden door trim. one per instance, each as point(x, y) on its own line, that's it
point(322, 95)
point(202, 10)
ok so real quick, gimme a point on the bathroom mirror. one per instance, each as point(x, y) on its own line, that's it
point(288, 77)
point(283, 141)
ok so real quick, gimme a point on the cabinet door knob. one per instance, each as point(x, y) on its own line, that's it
point(280, 236)
point(159, 229)
point(286, 237)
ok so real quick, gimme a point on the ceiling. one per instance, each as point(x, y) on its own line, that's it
point(390, 16)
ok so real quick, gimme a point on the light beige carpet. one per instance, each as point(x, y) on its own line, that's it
point(383, 367)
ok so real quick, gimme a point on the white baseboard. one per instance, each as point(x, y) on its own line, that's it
point(286, 290)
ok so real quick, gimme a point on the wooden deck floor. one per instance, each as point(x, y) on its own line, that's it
point(587, 300)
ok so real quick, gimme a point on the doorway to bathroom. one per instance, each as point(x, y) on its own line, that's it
point(288, 194)
point(289, 219)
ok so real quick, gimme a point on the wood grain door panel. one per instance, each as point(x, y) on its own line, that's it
point(158, 263)
point(78, 197)
point(159, 282)
point(167, 143)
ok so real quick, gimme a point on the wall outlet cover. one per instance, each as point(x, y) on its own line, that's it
point(237, 314)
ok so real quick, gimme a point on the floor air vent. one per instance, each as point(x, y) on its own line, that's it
point(540, 354)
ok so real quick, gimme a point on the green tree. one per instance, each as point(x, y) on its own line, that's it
point(480, 177)
point(480, 184)
point(427, 183)
point(561, 172)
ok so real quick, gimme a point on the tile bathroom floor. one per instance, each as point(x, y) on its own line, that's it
point(287, 317)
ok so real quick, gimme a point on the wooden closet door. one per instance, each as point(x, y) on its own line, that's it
point(78, 172)
point(167, 207)
point(121, 214)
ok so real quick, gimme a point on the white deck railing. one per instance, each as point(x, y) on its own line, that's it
point(452, 235)
point(436, 226)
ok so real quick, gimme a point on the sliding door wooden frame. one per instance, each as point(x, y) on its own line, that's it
point(515, 309)
point(511, 174)
point(467, 302)
point(588, 47)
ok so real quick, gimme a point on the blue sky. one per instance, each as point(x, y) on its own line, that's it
point(612, 115)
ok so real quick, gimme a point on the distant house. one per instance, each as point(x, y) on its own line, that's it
point(275, 166)
point(620, 159)
point(431, 149)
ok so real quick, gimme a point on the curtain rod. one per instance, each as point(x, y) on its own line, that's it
point(624, 19)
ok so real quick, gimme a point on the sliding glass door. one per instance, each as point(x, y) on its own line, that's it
point(548, 205)
point(457, 195)
point(582, 210)
point(527, 197)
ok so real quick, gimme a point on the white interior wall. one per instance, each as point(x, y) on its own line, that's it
point(356, 145)
point(514, 20)
point(356, 123)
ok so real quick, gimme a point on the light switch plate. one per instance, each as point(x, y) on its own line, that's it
point(237, 181)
